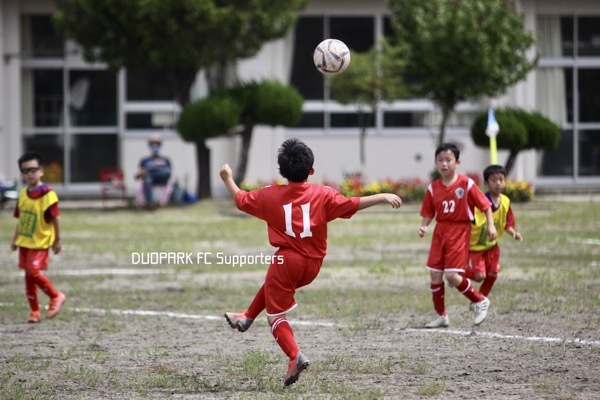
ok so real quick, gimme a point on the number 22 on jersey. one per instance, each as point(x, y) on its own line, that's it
point(448, 206)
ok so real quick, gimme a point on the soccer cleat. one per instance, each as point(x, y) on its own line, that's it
point(34, 317)
point(295, 367)
point(480, 310)
point(238, 321)
point(441, 321)
point(55, 305)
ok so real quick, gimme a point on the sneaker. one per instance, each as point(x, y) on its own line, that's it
point(441, 321)
point(480, 310)
point(55, 305)
point(238, 321)
point(299, 364)
point(34, 317)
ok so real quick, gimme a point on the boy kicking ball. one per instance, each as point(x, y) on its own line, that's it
point(297, 215)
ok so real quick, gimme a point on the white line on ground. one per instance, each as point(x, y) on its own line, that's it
point(330, 324)
point(108, 271)
point(595, 242)
point(151, 313)
point(111, 271)
point(183, 315)
point(510, 337)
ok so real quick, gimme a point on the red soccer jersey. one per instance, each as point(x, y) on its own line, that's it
point(453, 203)
point(297, 214)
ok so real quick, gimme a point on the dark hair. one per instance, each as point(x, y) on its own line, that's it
point(295, 160)
point(448, 146)
point(31, 155)
point(492, 170)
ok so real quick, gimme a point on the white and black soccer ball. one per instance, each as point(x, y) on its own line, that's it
point(331, 57)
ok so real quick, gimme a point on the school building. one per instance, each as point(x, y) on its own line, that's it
point(83, 117)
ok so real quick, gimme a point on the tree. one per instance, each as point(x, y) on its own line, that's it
point(178, 37)
point(519, 130)
point(206, 118)
point(462, 49)
point(263, 103)
point(372, 76)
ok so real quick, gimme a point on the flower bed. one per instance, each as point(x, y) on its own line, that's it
point(409, 189)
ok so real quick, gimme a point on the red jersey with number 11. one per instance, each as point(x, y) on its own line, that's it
point(297, 214)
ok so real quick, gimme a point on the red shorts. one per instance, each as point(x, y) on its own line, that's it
point(283, 278)
point(484, 262)
point(33, 258)
point(449, 247)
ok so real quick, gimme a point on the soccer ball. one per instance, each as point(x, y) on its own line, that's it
point(331, 57)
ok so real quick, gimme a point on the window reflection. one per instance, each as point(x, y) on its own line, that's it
point(42, 99)
point(589, 36)
point(39, 38)
point(148, 85)
point(589, 153)
point(89, 152)
point(589, 95)
point(92, 98)
point(558, 162)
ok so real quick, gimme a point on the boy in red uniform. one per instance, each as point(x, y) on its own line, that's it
point(484, 254)
point(38, 229)
point(297, 215)
point(450, 200)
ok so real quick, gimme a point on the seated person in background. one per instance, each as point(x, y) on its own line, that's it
point(153, 170)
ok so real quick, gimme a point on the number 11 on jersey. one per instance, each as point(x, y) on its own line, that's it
point(306, 232)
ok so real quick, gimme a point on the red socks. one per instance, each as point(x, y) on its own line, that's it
point(33, 279)
point(437, 292)
point(283, 334)
point(469, 291)
point(31, 292)
point(486, 286)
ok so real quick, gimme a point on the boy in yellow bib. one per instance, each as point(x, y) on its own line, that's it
point(38, 229)
point(484, 254)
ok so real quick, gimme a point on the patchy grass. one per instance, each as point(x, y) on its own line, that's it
point(373, 284)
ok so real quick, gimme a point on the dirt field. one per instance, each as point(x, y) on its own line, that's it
point(165, 352)
point(519, 355)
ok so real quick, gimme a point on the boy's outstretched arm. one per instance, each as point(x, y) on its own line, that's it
point(227, 177)
point(516, 235)
point(391, 199)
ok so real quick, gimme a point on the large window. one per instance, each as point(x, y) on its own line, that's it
point(568, 92)
point(69, 112)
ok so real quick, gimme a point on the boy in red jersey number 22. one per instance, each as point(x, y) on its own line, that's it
point(451, 200)
point(297, 215)
point(38, 229)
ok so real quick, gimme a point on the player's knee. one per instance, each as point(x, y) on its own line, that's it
point(453, 279)
point(479, 277)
